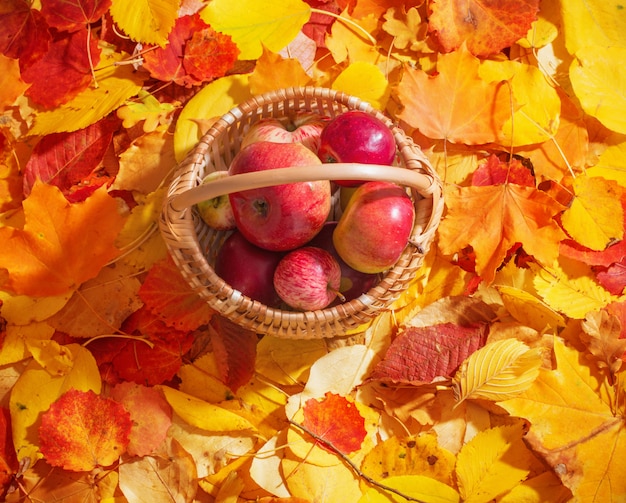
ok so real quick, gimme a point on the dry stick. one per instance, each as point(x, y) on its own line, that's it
point(351, 464)
point(348, 22)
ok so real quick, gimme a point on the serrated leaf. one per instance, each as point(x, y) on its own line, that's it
point(146, 21)
point(253, 24)
point(116, 83)
point(595, 217)
point(573, 296)
point(498, 371)
point(492, 463)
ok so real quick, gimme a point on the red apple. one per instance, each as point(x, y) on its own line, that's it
point(248, 268)
point(217, 212)
point(307, 278)
point(375, 227)
point(279, 217)
point(353, 282)
point(356, 136)
point(303, 127)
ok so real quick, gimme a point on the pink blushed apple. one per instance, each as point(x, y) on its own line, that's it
point(279, 217)
point(375, 227)
point(248, 269)
point(303, 127)
point(353, 283)
point(307, 278)
point(357, 136)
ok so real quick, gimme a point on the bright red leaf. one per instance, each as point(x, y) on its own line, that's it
point(71, 15)
point(319, 24)
point(420, 354)
point(195, 54)
point(65, 70)
point(152, 360)
point(83, 430)
point(24, 34)
point(336, 421)
point(8, 458)
point(496, 171)
point(486, 26)
point(67, 159)
point(168, 295)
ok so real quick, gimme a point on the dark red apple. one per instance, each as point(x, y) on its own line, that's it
point(353, 282)
point(279, 217)
point(375, 227)
point(307, 278)
point(356, 136)
point(248, 268)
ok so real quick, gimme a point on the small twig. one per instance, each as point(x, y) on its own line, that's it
point(351, 464)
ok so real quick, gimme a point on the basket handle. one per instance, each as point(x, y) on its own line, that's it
point(329, 171)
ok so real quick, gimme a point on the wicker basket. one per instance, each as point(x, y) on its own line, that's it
point(194, 246)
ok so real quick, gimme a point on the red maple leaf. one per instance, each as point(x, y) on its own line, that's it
point(195, 54)
point(83, 430)
point(71, 15)
point(24, 34)
point(420, 354)
point(67, 159)
point(168, 296)
point(336, 422)
point(65, 70)
point(498, 171)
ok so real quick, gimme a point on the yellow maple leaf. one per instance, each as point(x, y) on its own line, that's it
point(351, 39)
point(493, 218)
point(598, 77)
point(537, 118)
point(595, 217)
point(48, 256)
point(146, 21)
point(253, 24)
point(492, 463)
point(577, 425)
point(408, 29)
point(272, 71)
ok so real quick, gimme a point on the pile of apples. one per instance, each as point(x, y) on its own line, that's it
point(284, 250)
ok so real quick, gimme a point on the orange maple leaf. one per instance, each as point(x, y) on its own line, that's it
point(493, 218)
point(320, 418)
point(83, 430)
point(61, 244)
point(455, 104)
point(486, 27)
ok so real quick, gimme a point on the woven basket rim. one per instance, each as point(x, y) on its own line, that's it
point(236, 306)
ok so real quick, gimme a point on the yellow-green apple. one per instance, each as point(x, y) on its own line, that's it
point(307, 278)
point(248, 268)
point(375, 227)
point(303, 127)
point(217, 212)
point(353, 283)
point(285, 216)
point(357, 136)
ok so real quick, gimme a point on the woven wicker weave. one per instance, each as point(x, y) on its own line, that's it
point(194, 246)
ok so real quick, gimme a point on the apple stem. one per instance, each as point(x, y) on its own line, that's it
point(340, 295)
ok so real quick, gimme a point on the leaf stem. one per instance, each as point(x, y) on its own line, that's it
point(351, 464)
point(349, 22)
